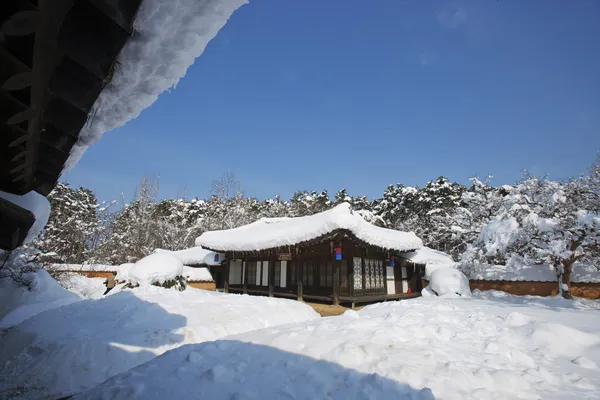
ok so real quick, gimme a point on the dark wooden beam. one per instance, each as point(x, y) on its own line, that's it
point(271, 274)
point(226, 277)
point(299, 277)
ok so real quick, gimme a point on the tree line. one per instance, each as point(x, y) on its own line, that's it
point(534, 221)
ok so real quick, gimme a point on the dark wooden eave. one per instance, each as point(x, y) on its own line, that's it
point(55, 58)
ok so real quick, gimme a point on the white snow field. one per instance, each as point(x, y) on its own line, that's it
point(18, 302)
point(75, 347)
point(426, 348)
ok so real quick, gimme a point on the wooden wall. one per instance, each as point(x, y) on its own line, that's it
point(203, 285)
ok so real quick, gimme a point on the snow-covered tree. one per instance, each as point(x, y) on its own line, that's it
point(75, 225)
point(542, 221)
point(305, 203)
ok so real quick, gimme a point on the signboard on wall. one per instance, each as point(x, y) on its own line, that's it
point(284, 256)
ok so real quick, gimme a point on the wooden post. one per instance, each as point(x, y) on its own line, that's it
point(300, 272)
point(226, 277)
point(336, 282)
point(245, 276)
point(271, 275)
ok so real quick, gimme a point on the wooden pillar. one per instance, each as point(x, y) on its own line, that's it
point(245, 277)
point(336, 282)
point(300, 272)
point(271, 275)
point(226, 277)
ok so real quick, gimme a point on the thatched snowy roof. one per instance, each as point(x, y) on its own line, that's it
point(271, 233)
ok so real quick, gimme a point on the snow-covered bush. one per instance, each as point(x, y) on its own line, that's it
point(447, 281)
point(159, 269)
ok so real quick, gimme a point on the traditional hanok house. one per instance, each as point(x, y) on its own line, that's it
point(204, 268)
point(332, 256)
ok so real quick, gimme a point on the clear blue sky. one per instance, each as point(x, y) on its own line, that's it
point(360, 94)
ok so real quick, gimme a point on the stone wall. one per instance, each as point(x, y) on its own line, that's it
point(521, 288)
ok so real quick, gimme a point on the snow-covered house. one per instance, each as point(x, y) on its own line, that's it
point(205, 267)
point(332, 256)
point(419, 264)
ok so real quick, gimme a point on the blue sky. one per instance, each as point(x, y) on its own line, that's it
point(313, 94)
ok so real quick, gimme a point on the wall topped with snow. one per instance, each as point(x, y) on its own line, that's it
point(195, 256)
point(582, 273)
point(168, 37)
point(82, 267)
point(276, 232)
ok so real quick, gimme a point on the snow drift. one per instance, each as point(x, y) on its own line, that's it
point(19, 303)
point(447, 281)
point(425, 348)
point(75, 347)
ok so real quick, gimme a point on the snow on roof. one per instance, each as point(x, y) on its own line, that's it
point(195, 255)
point(39, 207)
point(169, 35)
point(425, 255)
point(433, 259)
point(197, 274)
point(275, 232)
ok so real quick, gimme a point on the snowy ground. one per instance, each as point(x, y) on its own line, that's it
point(493, 346)
point(86, 288)
point(218, 346)
point(77, 346)
point(18, 302)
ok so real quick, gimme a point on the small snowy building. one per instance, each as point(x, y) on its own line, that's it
point(332, 256)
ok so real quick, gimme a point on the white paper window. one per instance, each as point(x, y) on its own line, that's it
point(265, 273)
point(283, 273)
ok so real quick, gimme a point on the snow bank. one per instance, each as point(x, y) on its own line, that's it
point(37, 204)
point(155, 268)
point(92, 340)
point(421, 349)
point(19, 302)
point(195, 256)
point(169, 35)
point(447, 282)
point(123, 272)
point(432, 259)
point(86, 288)
point(197, 274)
point(275, 232)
